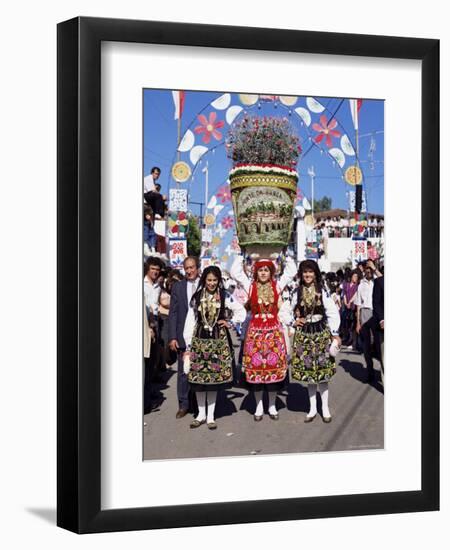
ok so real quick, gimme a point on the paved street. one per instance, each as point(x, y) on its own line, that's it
point(356, 407)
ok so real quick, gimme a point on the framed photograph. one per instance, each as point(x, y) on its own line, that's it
point(171, 125)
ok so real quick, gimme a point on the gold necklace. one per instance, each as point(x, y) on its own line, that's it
point(209, 309)
point(265, 293)
point(309, 296)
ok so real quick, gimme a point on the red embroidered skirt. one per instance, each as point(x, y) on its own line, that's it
point(264, 358)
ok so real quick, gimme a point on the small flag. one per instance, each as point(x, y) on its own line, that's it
point(355, 106)
point(178, 99)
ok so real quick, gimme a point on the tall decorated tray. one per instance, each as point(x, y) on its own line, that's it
point(263, 182)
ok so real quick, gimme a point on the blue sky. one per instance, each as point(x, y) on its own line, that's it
point(160, 142)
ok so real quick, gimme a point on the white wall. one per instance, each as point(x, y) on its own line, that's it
point(28, 274)
point(339, 251)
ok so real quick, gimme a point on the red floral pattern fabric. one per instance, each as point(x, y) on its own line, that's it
point(264, 358)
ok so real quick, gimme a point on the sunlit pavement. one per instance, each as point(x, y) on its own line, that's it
point(356, 408)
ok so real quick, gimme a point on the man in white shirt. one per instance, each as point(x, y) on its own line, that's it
point(151, 180)
point(364, 312)
point(181, 295)
point(152, 290)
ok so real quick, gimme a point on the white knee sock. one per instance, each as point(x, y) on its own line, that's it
point(259, 403)
point(211, 397)
point(323, 389)
point(272, 398)
point(312, 389)
point(201, 402)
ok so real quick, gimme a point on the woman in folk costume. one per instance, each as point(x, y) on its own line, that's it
point(265, 350)
point(209, 356)
point(316, 338)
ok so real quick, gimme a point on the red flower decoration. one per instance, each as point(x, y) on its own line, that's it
point(227, 222)
point(224, 194)
point(209, 127)
point(326, 130)
point(177, 248)
point(299, 194)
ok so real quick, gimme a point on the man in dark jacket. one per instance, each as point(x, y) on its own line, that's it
point(378, 316)
point(182, 293)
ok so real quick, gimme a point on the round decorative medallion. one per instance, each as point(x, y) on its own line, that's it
point(353, 175)
point(181, 171)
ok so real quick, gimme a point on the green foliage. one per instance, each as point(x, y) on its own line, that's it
point(323, 204)
point(263, 140)
point(193, 237)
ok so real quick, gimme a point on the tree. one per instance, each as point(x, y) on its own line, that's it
point(323, 204)
point(193, 237)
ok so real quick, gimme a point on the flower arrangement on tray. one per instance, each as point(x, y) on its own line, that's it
point(263, 141)
point(263, 181)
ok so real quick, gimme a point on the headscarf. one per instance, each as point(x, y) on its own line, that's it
point(253, 295)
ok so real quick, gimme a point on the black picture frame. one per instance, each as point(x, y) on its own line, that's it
point(79, 275)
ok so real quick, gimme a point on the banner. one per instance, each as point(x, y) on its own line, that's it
point(177, 251)
point(178, 200)
point(178, 100)
point(205, 262)
point(351, 197)
point(359, 251)
point(207, 235)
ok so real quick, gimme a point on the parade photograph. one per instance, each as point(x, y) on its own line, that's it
point(263, 274)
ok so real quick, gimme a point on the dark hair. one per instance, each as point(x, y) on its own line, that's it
point(148, 211)
point(155, 168)
point(211, 269)
point(152, 261)
point(333, 282)
point(307, 265)
point(196, 260)
point(172, 277)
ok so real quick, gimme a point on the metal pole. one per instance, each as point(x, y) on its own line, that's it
point(312, 175)
point(206, 185)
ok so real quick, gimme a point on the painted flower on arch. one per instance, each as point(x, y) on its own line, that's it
point(227, 222)
point(208, 127)
point(224, 194)
point(326, 129)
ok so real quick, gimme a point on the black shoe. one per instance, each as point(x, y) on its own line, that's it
point(181, 413)
point(274, 416)
point(257, 418)
point(196, 423)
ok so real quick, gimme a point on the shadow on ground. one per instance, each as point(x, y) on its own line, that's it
point(358, 371)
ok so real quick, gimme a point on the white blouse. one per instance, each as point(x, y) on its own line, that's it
point(331, 312)
point(238, 310)
point(238, 274)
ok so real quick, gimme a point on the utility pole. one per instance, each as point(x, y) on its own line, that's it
point(312, 175)
point(205, 170)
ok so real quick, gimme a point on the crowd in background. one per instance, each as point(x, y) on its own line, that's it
point(358, 294)
point(341, 227)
